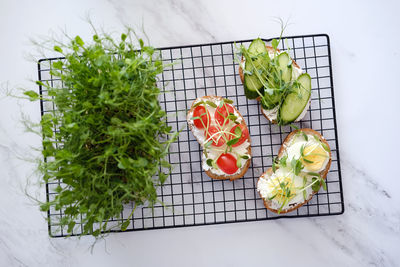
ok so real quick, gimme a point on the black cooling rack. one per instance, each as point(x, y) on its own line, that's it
point(190, 196)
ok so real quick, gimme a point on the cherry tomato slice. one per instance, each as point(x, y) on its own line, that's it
point(200, 111)
point(222, 112)
point(218, 140)
point(227, 163)
point(244, 136)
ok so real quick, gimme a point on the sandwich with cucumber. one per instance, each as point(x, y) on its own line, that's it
point(223, 135)
point(273, 78)
point(297, 173)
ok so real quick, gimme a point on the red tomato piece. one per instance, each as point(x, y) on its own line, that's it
point(244, 136)
point(227, 163)
point(221, 113)
point(218, 140)
point(200, 111)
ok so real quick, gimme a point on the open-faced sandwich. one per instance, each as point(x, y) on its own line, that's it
point(223, 134)
point(297, 173)
point(276, 80)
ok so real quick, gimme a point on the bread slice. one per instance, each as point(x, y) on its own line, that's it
point(323, 173)
point(270, 49)
point(192, 127)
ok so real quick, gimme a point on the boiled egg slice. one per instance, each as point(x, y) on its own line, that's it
point(282, 187)
point(311, 153)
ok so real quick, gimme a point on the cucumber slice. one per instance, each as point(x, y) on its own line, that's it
point(252, 83)
point(257, 47)
point(296, 101)
point(283, 61)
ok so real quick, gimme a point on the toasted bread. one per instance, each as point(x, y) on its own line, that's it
point(241, 74)
point(209, 172)
point(268, 173)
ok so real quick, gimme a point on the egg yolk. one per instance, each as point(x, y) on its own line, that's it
point(278, 188)
point(314, 157)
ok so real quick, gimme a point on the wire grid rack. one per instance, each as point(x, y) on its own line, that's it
point(190, 197)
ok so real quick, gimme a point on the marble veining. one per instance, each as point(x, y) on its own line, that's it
point(370, 181)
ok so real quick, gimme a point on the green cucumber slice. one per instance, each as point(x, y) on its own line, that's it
point(252, 83)
point(257, 47)
point(259, 55)
point(283, 61)
point(296, 101)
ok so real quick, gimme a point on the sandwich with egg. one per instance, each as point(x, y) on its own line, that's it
point(223, 134)
point(276, 81)
point(297, 173)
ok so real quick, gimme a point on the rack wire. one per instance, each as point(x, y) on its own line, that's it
point(190, 197)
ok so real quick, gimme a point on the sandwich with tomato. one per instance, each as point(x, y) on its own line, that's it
point(223, 134)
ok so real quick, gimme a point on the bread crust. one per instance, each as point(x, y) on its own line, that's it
point(208, 172)
point(266, 116)
point(269, 172)
point(241, 74)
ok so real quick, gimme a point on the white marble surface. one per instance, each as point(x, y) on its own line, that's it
point(365, 52)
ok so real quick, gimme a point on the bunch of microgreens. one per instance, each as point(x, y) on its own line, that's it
point(269, 73)
point(223, 132)
point(106, 140)
point(285, 189)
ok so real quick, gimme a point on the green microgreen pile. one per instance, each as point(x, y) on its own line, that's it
point(106, 141)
